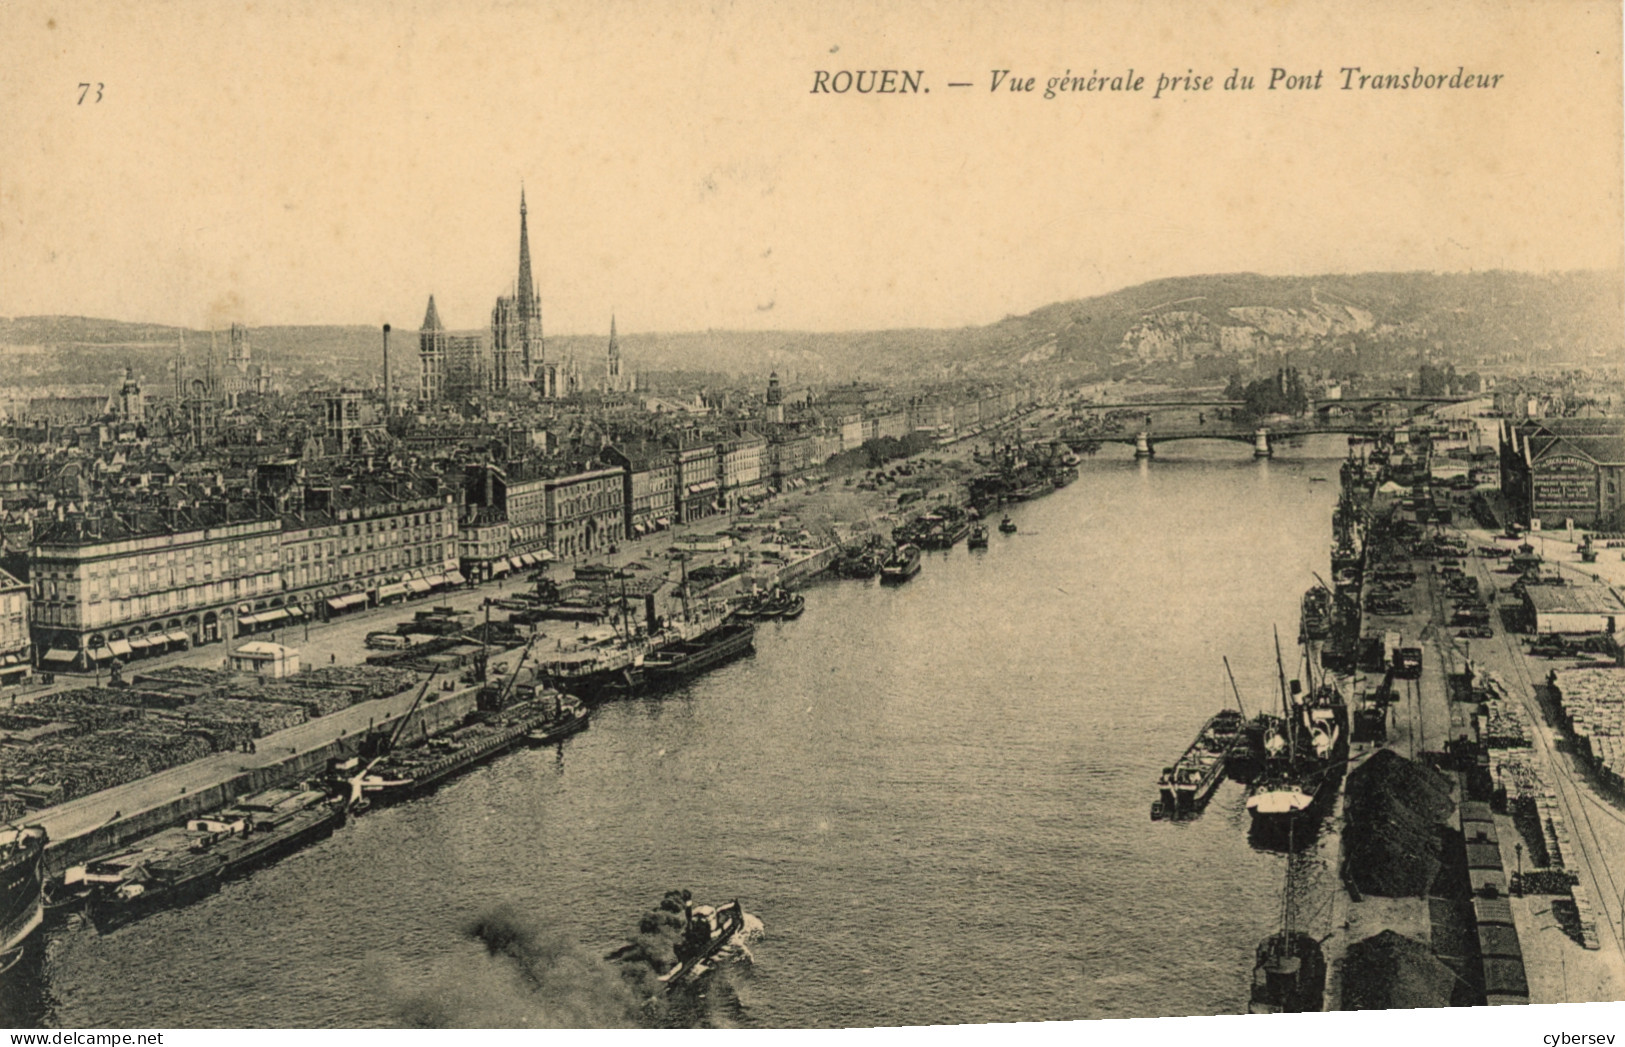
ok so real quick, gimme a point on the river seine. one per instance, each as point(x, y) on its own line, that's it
point(936, 798)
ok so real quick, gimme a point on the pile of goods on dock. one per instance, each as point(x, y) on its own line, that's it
point(1393, 811)
point(367, 682)
point(72, 743)
point(261, 718)
point(1588, 917)
point(69, 767)
point(1593, 703)
point(1390, 971)
point(1502, 724)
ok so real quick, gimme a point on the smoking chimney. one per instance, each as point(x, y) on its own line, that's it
point(387, 400)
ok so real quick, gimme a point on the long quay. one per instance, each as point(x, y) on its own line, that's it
point(83, 828)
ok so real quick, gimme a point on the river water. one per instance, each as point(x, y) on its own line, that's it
point(936, 798)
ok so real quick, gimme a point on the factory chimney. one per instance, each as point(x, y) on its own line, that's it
point(388, 402)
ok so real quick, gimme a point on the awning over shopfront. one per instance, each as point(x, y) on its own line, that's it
point(101, 654)
point(136, 643)
point(664, 521)
point(58, 656)
point(499, 567)
point(455, 578)
point(178, 637)
point(703, 485)
point(420, 585)
point(339, 603)
point(121, 647)
point(275, 614)
point(295, 611)
point(390, 592)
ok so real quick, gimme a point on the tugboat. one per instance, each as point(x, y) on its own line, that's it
point(678, 942)
point(1007, 525)
point(901, 565)
point(568, 716)
point(978, 538)
point(22, 898)
point(780, 603)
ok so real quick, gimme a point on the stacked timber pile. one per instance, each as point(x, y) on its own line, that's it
point(1394, 811)
point(315, 701)
point(90, 716)
point(1389, 971)
point(230, 714)
point(367, 682)
point(1588, 917)
point(71, 743)
point(1593, 703)
point(1505, 725)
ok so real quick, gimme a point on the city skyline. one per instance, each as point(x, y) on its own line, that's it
point(682, 176)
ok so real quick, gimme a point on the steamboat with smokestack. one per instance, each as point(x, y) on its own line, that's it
point(679, 942)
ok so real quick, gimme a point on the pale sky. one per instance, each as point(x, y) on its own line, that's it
point(279, 163)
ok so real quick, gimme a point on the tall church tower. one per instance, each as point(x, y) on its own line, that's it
point(613, 382)
point(775, 399)
point(529, 304)
point(431, 355)
point(516, 322)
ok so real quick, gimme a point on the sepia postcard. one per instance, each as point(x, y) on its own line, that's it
point(802, 515)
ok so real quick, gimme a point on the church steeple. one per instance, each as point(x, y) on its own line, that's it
point(526, 290)
point(431, 318)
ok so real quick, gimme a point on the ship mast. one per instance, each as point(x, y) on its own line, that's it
point(1286, 703)
point(1236, 690)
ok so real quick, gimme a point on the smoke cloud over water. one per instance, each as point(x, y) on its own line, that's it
point(527, 979)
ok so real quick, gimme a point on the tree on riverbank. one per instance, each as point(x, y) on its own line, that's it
point(1282, 393)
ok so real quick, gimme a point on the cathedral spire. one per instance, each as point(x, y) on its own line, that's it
point(526, 291)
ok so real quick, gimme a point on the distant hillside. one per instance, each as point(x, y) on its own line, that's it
point(1197, 327)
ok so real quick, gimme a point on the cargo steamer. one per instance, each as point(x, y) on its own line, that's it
point(22, 898)
point(683, 659)
point(1303, 764)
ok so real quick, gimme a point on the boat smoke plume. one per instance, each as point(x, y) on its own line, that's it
point(528, 979)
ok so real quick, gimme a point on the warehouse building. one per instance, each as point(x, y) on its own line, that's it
point(1574, 609)
point(1559, 469)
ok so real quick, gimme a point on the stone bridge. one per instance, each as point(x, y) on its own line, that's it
point(1262, 438)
